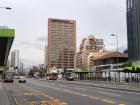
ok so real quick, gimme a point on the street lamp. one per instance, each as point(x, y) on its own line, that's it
point(116, 54)
point(117, 46)
point(6, 7)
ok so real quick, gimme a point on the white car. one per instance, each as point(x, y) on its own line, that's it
point(22, 79)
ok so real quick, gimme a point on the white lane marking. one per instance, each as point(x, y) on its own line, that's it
point(105, 89)
point(79, 88)
point(121, 92)
point(108, 101)
point(109, 93)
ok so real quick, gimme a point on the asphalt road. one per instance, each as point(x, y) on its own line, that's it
point(38, 92)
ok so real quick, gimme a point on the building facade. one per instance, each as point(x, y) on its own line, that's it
point(79, 61)
point(95, 55)
point(61, 43)
point(110, 58)
point(88, 45)
point(21, 66)
point(14, 58)
point(133, 29)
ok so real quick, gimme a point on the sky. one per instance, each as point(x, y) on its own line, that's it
point(29, 18)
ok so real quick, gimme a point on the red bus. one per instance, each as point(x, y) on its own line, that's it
point(52, 76)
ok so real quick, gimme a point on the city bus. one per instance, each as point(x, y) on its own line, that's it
point(52, 76)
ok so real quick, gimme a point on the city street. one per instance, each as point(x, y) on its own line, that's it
point(70, 52)
point(43, 92)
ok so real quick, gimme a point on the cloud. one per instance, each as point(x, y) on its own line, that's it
point(32, 53)
point(27, 45)
point(42, 39)
point(113, 47)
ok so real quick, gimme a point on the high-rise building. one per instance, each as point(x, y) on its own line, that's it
point(14, 58)
point(21, 65)
point(88, 45)
point(61, 43)
point(133, 29)
point(79, 58)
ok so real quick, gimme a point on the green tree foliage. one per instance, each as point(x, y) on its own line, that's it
point(131, 67)
point(125, 51)
point(128, 64)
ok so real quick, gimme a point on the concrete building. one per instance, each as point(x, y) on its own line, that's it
point(35, 68)
point(93, 56)
point(14, 59)
point(110, 58)
point(79, 61)
point(88, 45)
point(133, 30)
point(61, 43)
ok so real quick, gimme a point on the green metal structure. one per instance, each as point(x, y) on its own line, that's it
point(6, 39)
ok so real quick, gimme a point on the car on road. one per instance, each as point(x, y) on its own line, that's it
point(8, 77)
point(22, 79)
point(70, 78)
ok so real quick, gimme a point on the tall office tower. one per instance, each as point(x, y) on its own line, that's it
point(133, 29)
point(21, 65)
point(61, 43)
point(14, 58)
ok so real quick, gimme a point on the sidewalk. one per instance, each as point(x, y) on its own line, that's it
point(5, 97)
point(108, 85)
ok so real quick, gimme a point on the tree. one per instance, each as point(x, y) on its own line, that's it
point(125, 51)
point(128, 64)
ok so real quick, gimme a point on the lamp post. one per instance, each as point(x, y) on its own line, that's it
point(117, 46)
point(6, 7)
point(116, 53)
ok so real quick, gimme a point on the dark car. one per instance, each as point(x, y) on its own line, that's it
point(22, 79)
point(8, 77)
